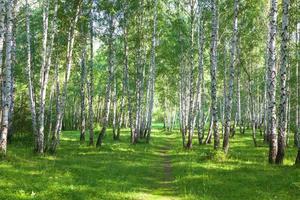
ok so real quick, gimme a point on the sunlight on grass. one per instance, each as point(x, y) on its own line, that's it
point(119, 170)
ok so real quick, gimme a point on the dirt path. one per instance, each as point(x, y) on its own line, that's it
point(167, 189)
point(167, 166)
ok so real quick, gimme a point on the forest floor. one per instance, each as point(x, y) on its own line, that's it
point(161, 170)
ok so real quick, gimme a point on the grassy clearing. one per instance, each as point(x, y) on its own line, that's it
point(122, 171)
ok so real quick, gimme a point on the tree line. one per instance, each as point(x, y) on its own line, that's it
point(212, 66)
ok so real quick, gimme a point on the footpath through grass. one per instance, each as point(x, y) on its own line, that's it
point(159, 170)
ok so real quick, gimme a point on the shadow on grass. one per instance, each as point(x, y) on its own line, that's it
point(119, 170)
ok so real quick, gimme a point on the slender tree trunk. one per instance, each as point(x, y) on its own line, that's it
point(210, 131)
point(41, 116)
point(2, 39)
point(182, 81)
point(114, 98)
point(82, 95)
point(231, 79)
point(238, 82)
point(152, 73)
point(57, 93)
point(213, 71)
point(267, 75)
point(91, 76)
point(12, 82)
point(139, 75)
point(7, 77)
point(297, 135)
point(200, 84)
point(29, 75)
point(126, 75)
point(251, 105)
point(224, 89)
point(272, 82)
point(45, 69)
point(191, 78)
point(111, 71)
point(50, 120)
point(62, 101)
point(283, 85)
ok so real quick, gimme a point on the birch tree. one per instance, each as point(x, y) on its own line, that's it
point(82, 94)
point(213, 71)
point(139, 74)
point(200, 83)
point(111, 70)
point(272, 81)
point(228, 105)
point(191, 78)
point(2, 39)
point(282, 122)
point(47, 48)
point(297, 134)
point(91, 75)
point(63, 97)
point(7, 73)
point(29, 73)
point(152, 73)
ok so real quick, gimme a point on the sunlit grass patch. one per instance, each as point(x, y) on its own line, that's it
point(120, 170)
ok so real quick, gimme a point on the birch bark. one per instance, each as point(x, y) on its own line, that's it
point(282, 122)
point(213, 71)
point(272, 82)
point(7, 68)
point(228, 105)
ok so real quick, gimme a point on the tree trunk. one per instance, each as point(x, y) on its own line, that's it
point(126, 76)
point(238, 87)
point(82, 94)
point(62, 101)
point(2, 39)
point(228, 106)
point(29, 75)
point(114, 98)
point(251, 106)
point(91, 76)
point(12, 82)
point(111, 71)
point(272, 82)
point(283, 85)
point(139, 75)
point(191, 110)
point(200, 84)
point(45, 69)
point(213, 72)
point(297, 134)
point(7, 78)
point(152, 73)
point(41, 116)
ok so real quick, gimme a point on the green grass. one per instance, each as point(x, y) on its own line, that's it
point(119, 170)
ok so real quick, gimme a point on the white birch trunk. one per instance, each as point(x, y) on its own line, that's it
point(282, 123)
point(228, 105)
point(82, 95)
point(29, 74)
point(213, 71)
point(7, 78)
point(91, 76)
point(62, 101)
point(111, 71)
point(272, 81)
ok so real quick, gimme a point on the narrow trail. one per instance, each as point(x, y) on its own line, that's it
point(166, 188)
